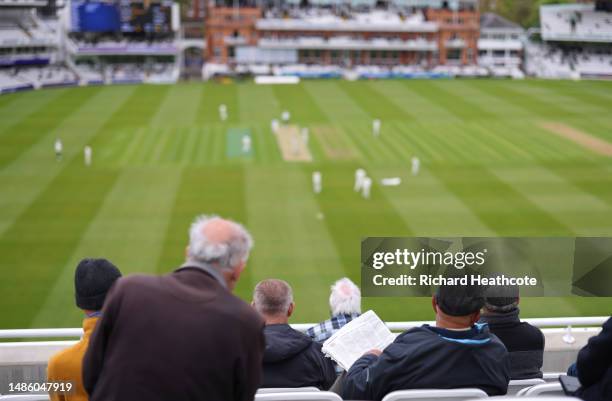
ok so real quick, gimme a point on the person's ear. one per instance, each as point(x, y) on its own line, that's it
point(518, 300)
point(434, 304)
point(290, 310)
point(186, 251)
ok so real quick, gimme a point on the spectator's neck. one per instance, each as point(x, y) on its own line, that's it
point(276, 320)
point(453, 322)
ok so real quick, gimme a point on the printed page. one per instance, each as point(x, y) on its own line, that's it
point(357, 337)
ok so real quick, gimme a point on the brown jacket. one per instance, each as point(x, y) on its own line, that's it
point(182, 336)
point(65, 366)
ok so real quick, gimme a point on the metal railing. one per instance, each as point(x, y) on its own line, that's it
point(563, 322)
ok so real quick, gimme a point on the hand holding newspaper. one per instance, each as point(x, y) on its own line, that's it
point(356, 338)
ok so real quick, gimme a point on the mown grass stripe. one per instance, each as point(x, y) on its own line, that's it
point(372, 102)
point(457, 105)
point(498, 205)
point(19, 138)
point(17, 108)
point(532, 104)
point(122, 224)
point(47, 232)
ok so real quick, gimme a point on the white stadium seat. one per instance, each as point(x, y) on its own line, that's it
point(552, 376)
point(299, 396)
point(24, 397)
point(543, 398)
point(517, 385)
point(286, 390)
point(436, 394)
point(542, 389)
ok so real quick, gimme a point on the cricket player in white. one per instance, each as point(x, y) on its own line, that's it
point(416, 165)
point(285, 116)
point(360, 174)
point(376, 127)
point(223, 112)
point(305, 136)
point(317, 184)
point(275, 125)
point(59, 148)
point(246, 143)
point(87, 153)
point(365, 188)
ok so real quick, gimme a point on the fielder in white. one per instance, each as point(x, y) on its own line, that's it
point(365, 188)
point(360, 174)
point(223, 112)
point(286, 116)
point(376, 127)
point(246, 143)
point(317, 184)
point(416, 165)
point(87, 154)
point(305, 136)
point(275, 125)
point(59, 149)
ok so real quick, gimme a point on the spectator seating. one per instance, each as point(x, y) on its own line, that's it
point(438, 395)
point(542, 389)
point(517, 385)
point(299, 396)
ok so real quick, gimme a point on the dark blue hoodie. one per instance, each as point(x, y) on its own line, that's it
point(292, 359)
point(431, 357)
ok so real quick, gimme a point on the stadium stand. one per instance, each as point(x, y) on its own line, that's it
point(500, 46)
point(576, 43)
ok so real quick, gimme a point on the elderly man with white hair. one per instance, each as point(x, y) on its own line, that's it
point(182, 336)
point(344, 304)
point(291, 358)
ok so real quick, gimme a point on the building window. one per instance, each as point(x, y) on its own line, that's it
point(453, 54)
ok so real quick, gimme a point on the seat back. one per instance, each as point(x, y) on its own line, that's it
point(552, 376)
point(517, 385)
point(436, 394)
point(299, 396)
point(269, 390)
point(542, 389)
point(24, 397)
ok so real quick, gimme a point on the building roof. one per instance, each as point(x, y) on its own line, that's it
point(494, 21)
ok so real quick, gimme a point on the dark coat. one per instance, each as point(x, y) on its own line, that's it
point(429, 357)
point(182, 336)
point(293, 359)
point(594, 366)
point(524, 342)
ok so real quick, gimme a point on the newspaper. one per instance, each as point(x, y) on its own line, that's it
point(356, 338)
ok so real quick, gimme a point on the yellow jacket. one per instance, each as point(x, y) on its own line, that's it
point(66, 366)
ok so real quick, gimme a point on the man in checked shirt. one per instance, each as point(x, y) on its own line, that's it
point(344, 304)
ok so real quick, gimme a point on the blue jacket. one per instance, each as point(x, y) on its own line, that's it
point(430, 357)
point(594, 366)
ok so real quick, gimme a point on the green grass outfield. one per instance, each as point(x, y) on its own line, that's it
point(160, 158)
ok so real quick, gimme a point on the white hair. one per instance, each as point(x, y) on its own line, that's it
point(345, 297)
point(272, 297)
point(226, 254)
